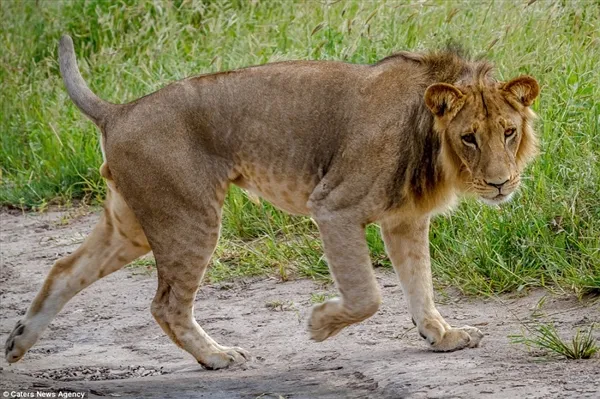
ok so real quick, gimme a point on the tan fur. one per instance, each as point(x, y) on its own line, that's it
point(346, 144)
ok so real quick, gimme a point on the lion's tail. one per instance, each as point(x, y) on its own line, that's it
point(90, 104)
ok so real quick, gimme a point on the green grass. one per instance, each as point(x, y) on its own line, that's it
point(545, 337)
point(549, 235)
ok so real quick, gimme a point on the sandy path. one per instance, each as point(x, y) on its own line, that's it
point(106, 343)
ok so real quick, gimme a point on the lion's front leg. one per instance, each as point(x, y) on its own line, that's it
point(348, 258)
point(407, 244)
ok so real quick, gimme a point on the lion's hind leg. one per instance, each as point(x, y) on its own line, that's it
point(116, 240)
point(182, 253)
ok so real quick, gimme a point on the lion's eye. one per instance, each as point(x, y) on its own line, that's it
point(469, 139)
point(508, 133)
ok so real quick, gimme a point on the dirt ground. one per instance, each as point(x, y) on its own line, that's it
point(106, 343)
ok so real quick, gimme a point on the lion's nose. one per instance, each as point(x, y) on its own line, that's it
point(498, 183)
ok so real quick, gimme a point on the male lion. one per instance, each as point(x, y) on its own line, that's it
point(349, 145)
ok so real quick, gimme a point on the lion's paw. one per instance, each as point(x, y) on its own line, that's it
point(18, 342)
point(458, 338)
point(225, 357)
point(326, 320)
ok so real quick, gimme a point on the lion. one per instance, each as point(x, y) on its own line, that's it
point(392, 143)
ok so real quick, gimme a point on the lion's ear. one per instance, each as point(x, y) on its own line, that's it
point(443, 99)
point(524, 88)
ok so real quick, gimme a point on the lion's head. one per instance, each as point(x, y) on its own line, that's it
point(486, 131)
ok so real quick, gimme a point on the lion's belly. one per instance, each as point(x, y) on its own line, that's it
point(288, 194)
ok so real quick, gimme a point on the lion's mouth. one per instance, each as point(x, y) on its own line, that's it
point(496, 200)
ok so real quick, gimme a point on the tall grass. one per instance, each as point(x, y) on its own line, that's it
point(550, 234)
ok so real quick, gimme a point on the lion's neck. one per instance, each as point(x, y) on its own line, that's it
point(430, 179)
